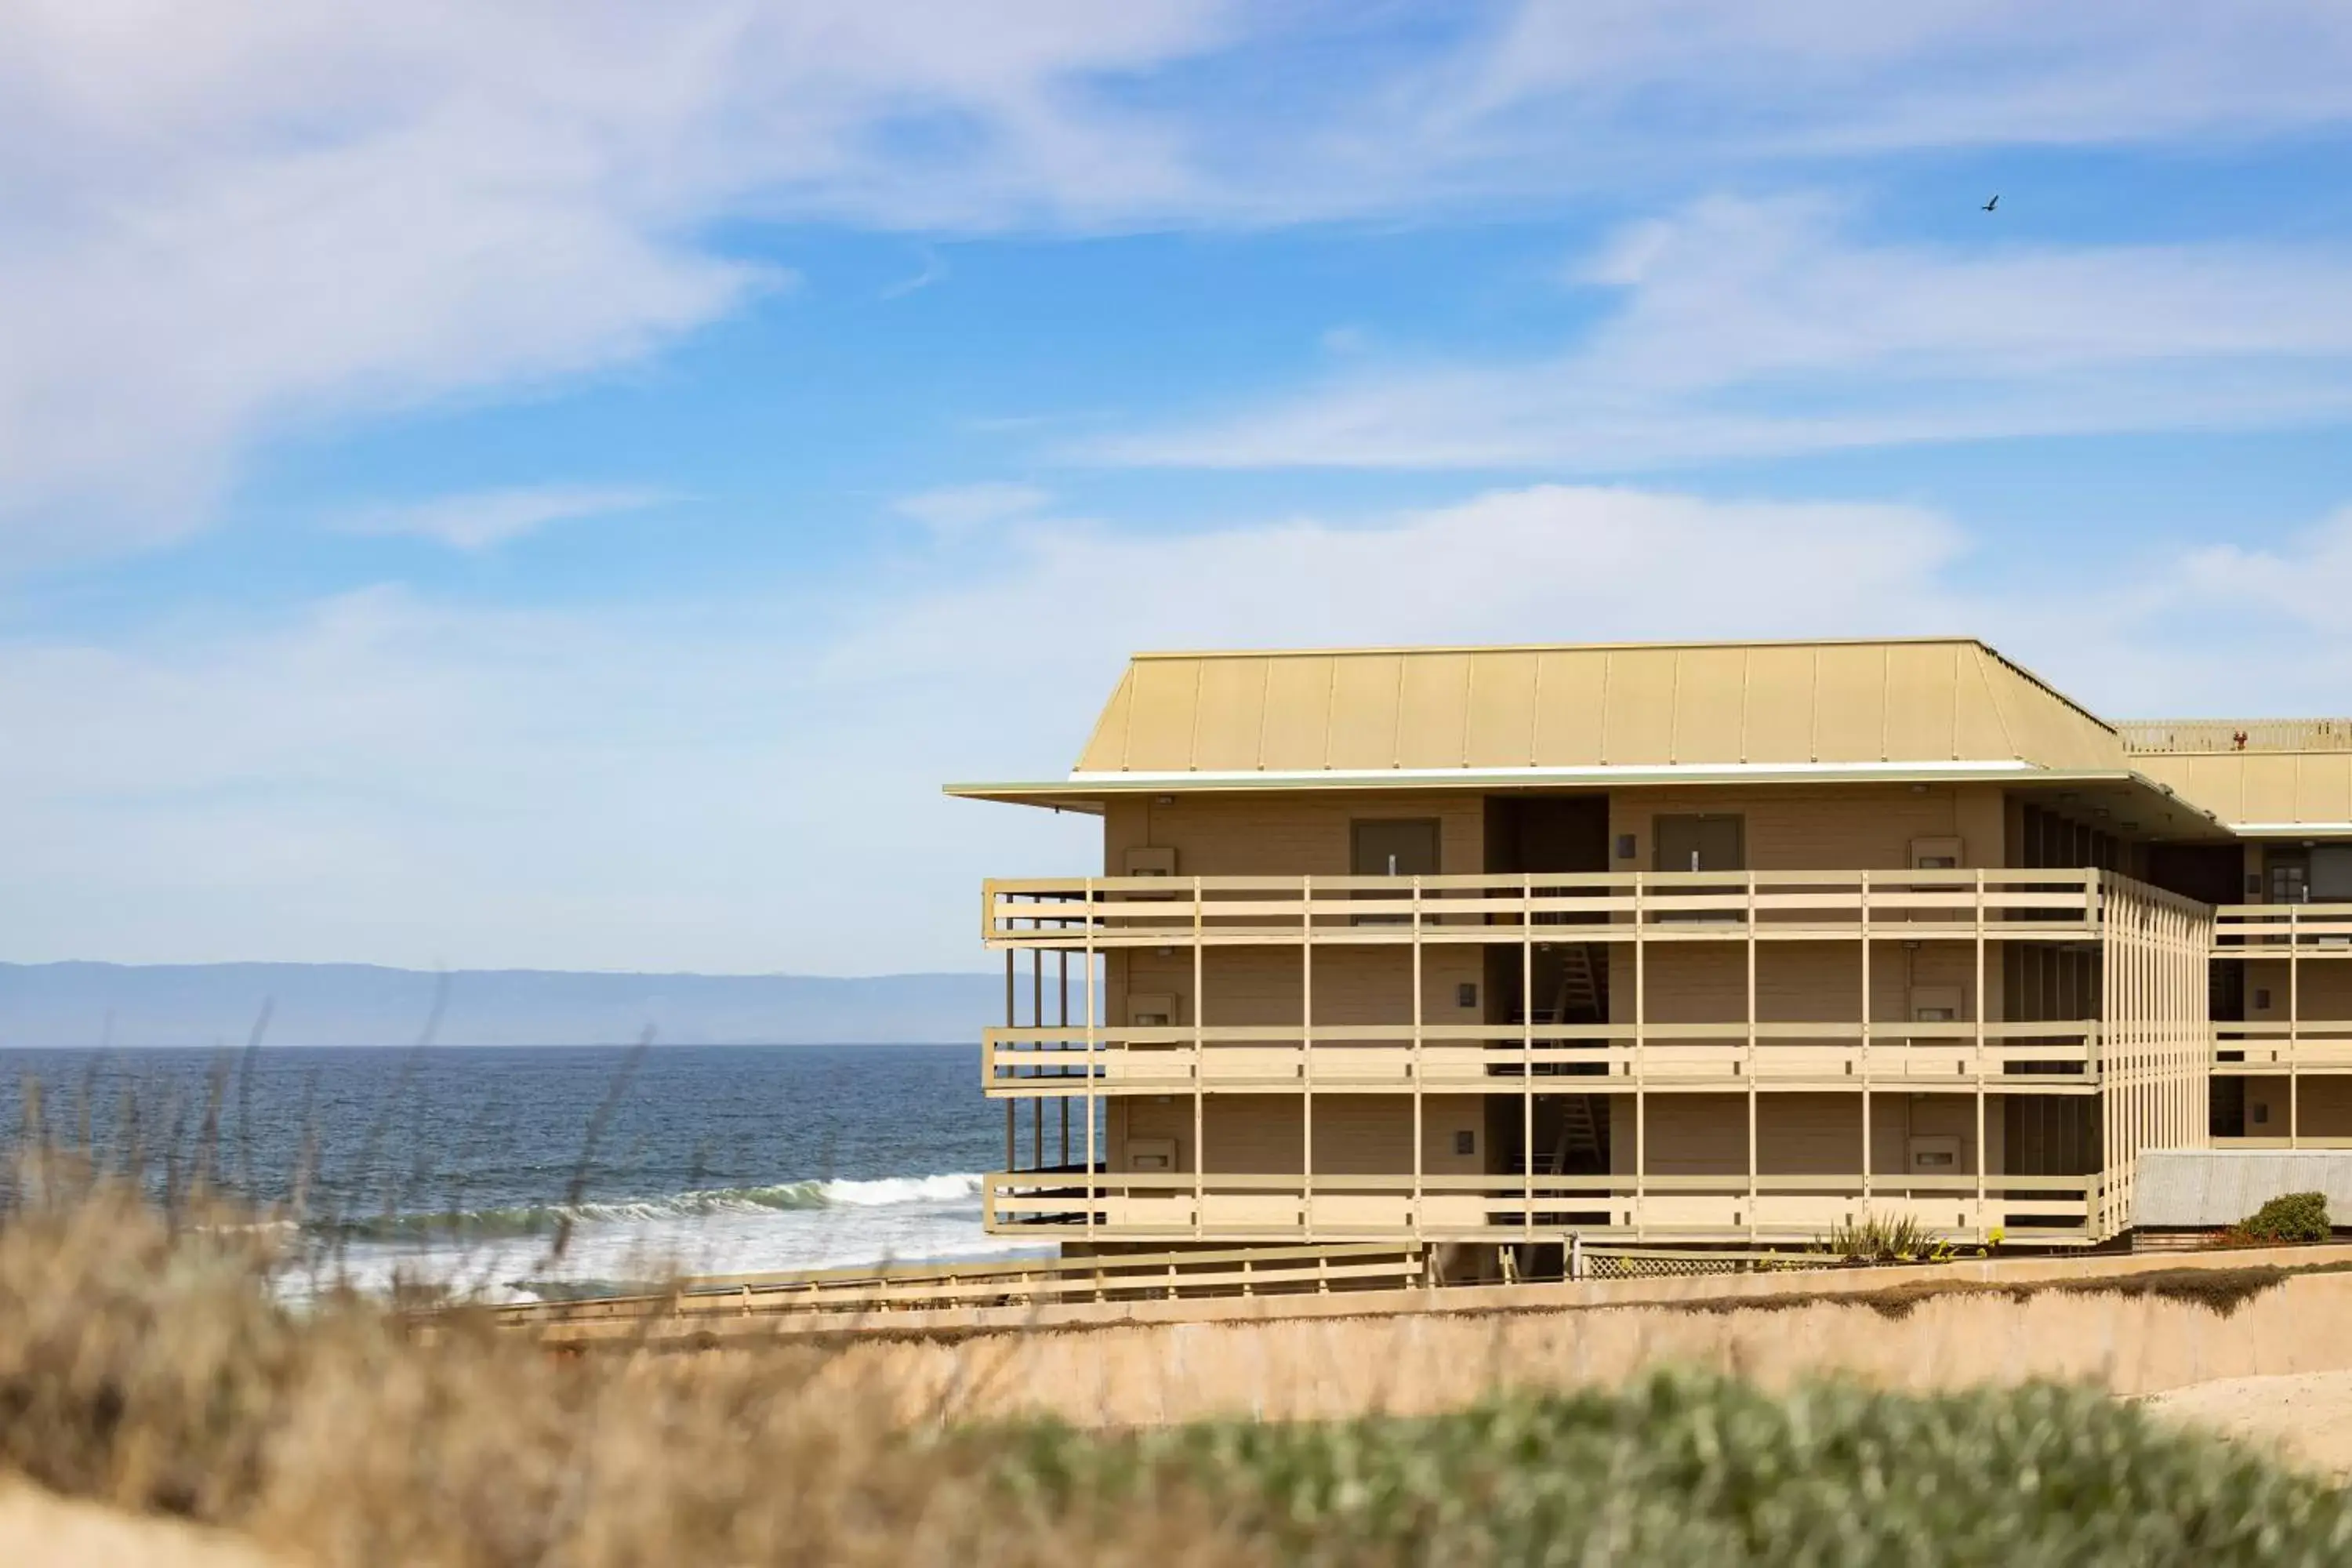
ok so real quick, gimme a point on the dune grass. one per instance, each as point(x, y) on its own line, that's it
point(144, 1363)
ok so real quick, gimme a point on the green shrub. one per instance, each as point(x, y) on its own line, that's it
point(1698, 1469)
point(1876, 1238)
point(2293, 1217)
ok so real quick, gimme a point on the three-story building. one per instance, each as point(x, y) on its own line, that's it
point(1695, 943)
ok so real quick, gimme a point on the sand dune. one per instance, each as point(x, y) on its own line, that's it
point(2304, 1418)
point(39, 1531)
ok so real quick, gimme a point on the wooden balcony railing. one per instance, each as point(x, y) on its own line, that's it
point(2174, 736)
point(2282, 931)
point(2277, 1046)
point(1789, 1208)
point(1559, 1059)
point(1100, 912)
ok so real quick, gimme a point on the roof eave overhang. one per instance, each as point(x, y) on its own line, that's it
point(1091, 792)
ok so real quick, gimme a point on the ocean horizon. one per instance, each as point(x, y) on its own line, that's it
point(462, 1164)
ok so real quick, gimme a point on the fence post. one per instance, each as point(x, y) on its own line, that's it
point(1576, 1255)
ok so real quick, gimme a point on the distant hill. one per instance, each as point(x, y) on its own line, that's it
point(67, 1005)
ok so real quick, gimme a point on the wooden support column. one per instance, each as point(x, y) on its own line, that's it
point(1751, 1057)
point(1527, 1062)
point(1200, 1059)
point(1306, 1052)
point(1062, 1012)
point(1863, 917)
point(1640, 1063)
point(1976, 1011)
point(2110, 917)
point(1037, 1023)
point(2293, 1026)
point(1415, 1069)
point(1012, 1105)
point(1093, 1041)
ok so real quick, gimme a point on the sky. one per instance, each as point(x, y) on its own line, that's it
point(556, 483)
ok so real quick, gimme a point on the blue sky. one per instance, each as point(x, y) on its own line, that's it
point(562, 485)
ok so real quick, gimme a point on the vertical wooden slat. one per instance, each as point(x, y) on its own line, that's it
point(1862, 916)
point(1306, 1055)
point(1641, 1061)
point(1200, 1058)
point(1528, 1061)
point(1976, 1011)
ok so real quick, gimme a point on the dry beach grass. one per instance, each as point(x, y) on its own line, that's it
point(146, 1365)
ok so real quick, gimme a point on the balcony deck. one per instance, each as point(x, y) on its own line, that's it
point(1099, 913)
point(1601, 1058)
point(1792, 1209)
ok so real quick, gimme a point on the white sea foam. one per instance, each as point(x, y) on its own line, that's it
point(506, 1254)
point(901, 1190)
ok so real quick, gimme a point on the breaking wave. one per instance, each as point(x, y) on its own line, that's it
point(492, 1224)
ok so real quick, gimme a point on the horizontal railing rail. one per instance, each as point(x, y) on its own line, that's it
point(2267, 1046)
point(1256, 1270)
point(1431, 1208)
point(1671, 906)
point(1578, 1059)
point(2280, 930)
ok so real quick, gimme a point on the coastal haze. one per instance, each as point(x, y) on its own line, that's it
point(64, 1006)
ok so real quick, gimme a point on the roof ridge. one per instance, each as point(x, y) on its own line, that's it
point(1372, 650)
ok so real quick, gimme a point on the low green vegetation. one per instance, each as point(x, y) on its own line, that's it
point(1704, 1470)
point(1881, 1238)
point(2291, 1219)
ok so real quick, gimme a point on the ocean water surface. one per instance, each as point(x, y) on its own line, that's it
point(464, 1165)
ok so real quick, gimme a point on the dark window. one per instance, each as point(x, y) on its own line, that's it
point(2331, 873)
point(1700, 843)
point(1399, 847)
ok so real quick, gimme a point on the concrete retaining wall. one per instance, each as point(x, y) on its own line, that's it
point(1425, 1362)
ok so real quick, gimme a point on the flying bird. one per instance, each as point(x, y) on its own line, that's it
point(1992, 204)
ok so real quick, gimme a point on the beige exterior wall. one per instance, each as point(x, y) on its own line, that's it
point(1248, 985)
point(1796, 1134)
point(1286, 834)
point(2323, 1105)
point(1853, 827)
point(1796, 981)
point(2321, 990)
point(1355, 1134)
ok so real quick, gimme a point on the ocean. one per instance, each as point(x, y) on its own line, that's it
point(462, 1167)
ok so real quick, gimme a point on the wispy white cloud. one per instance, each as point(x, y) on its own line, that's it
point(933, 270)
point(387, 778)
point(482, 519)
point(1747, 328)
point(218, 221)
point(216, 226)
point(957, 509)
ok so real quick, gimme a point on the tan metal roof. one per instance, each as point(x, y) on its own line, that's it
point(2262, 791)
point(1637, 707)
